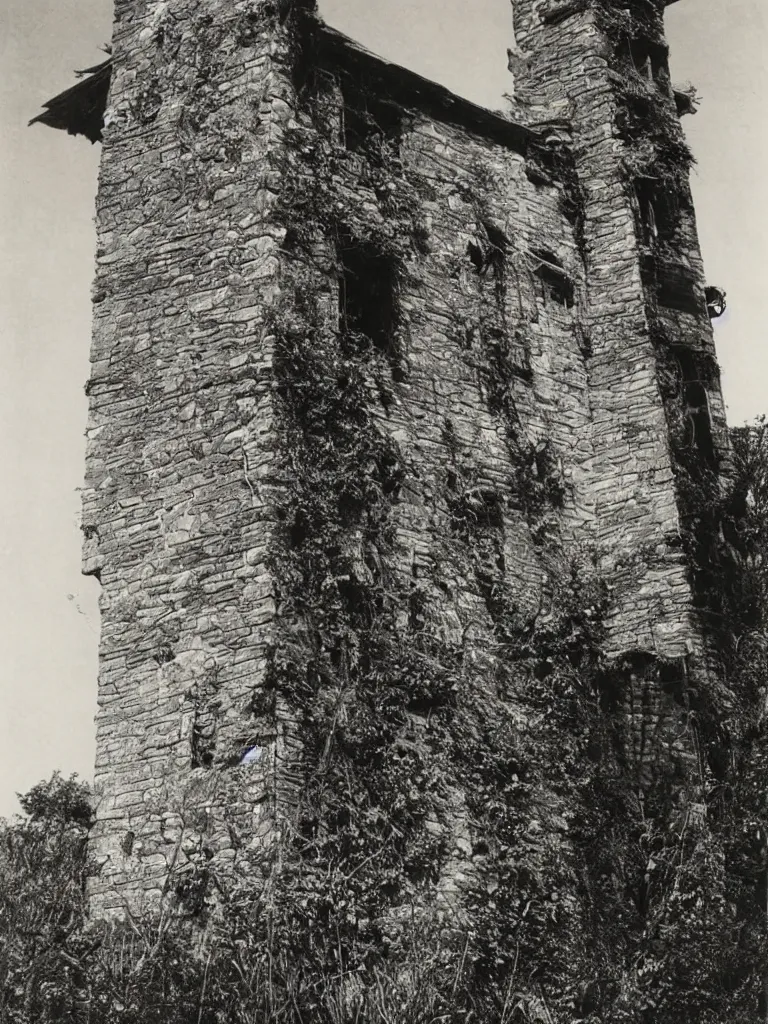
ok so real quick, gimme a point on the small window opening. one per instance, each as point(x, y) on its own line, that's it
point(367, 288)
point(207, 709)
point(641, 60)
point(673, 678)
point(658, 213)
point(555, 286)
point(203, 740)
point(649, 60)
point(304, 72)
point(290, 240)
point(696, 406)
point(369, 121)
point(488, 250)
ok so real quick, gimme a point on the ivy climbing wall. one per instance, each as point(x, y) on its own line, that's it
point(567, 62)
point(430, 543)
point(652, 363)
point(388, 462)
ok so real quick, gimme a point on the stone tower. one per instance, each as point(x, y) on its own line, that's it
point(377, 374)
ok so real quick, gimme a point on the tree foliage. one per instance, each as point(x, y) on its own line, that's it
point(43, 866)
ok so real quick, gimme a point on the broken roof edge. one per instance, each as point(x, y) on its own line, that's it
point(336, 51)
point(79, 110)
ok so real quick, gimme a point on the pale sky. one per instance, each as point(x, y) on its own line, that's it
point(48, 612)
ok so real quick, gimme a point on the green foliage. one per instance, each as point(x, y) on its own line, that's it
point(585, 896)
point(394, 725)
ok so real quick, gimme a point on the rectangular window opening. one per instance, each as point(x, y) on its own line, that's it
point(367, 295)
point(204, 735)
point(555, 287)
point(696, 405)
point(649, 61)
point(369, 122)
point(658, 211)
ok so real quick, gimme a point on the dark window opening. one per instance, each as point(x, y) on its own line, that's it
point(695, 402)
point(367, 288)
point(555, 286)
point(203, 748)
point(368, 121)
point(488, 250)
point(658, 210)
point(207, 709)
point(648, 59)
point(697, 412)
point(677, 288)
point(290, 241)
point(305, 76)
point(673, 678)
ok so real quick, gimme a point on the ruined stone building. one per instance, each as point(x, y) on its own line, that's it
point(382, 383)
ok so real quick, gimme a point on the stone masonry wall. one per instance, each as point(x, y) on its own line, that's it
point(632, 479)
point(462, 446)
point(522, 396)
point(484, 395)
point(444, 416)
point(180, 434)
point(568, 61)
